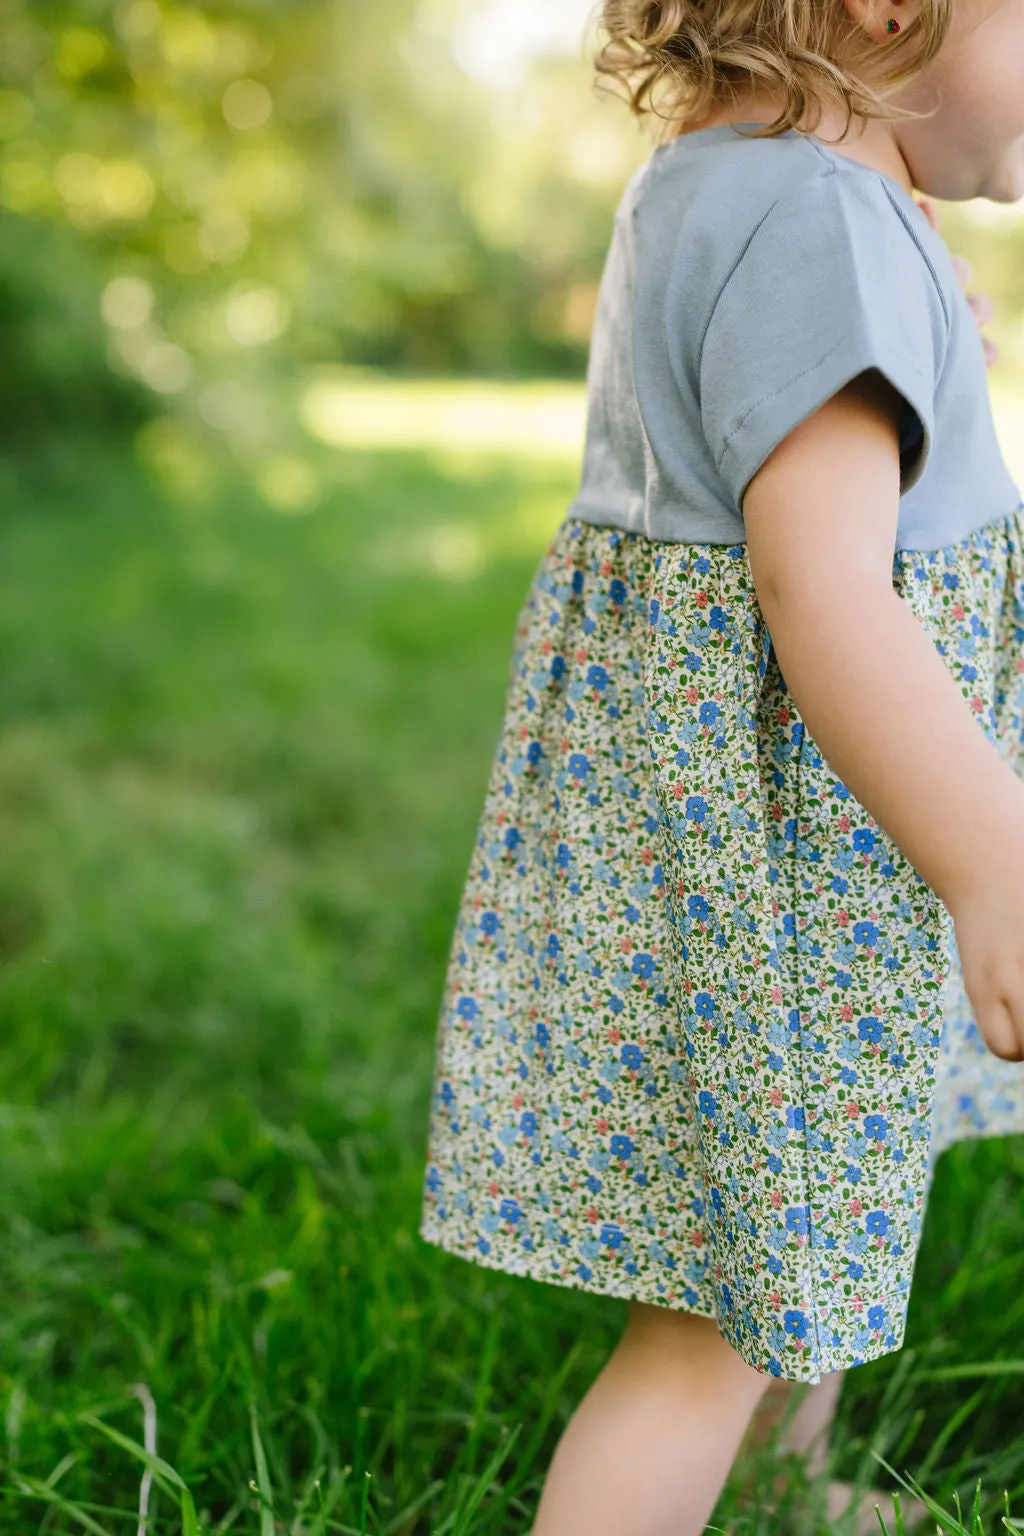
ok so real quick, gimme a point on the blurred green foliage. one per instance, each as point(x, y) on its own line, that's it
point(242, 189)
point(253, 187)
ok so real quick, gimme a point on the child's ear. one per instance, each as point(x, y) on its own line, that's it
point(873, 16)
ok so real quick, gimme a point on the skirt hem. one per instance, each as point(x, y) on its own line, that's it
point(808, 1371)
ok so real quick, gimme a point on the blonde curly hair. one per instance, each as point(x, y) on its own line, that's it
point(697, 54)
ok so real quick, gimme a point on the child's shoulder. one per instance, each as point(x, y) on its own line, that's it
point(710, 200)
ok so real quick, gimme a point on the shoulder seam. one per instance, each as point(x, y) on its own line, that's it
point(880, 181)
point(829, 168)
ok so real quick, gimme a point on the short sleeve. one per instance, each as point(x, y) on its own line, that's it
point(831, 282)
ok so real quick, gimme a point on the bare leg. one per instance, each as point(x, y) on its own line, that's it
point(648, 1449)
point(807, 1433)
point(808, 1429)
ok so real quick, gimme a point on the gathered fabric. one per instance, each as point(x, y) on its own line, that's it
point(703, 1031)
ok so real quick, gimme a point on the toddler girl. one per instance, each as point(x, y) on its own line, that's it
point(741, 947)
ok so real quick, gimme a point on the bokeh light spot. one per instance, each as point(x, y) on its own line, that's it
point(127, 302)
point(255, 315)
point(288, 484)
point(79, 50)
point(246, 105)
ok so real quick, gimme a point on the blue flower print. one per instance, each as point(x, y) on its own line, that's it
point(696, 995)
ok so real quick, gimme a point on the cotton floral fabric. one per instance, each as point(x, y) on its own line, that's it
point(703, 1031)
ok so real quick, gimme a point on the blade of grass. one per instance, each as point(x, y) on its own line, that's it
point(40, 1491)
point(88, 1505)
point(160, 1469)
point(947, 1432)
point(145, 1397)
point(480, 1488)
point(320, 1524)
point(64, 1465)
point(262, 1477)
point(312, 1490)
point(914, 1487)
point(410, 1509)
point(975, 1368)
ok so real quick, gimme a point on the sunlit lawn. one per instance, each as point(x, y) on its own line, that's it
point(245, 741)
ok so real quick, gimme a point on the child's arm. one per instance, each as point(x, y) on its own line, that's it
point(820, 518)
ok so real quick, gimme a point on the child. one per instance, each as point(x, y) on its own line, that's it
point(741, 947)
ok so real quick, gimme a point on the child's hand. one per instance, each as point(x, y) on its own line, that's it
point(981, 305)
point(990, 943)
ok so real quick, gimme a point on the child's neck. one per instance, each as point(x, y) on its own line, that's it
point(870, 140)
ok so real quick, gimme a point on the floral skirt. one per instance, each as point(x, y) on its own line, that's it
point(703, 1032)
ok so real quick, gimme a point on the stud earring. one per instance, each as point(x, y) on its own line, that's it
point(892, 25)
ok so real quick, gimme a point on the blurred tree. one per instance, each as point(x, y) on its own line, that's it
point(54, 372)
point(258, 187)
point(263, 184)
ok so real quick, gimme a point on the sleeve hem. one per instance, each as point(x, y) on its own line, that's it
point(806, 393)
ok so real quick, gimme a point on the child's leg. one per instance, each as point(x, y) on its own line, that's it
point(649, 1447)
point(807, 1431)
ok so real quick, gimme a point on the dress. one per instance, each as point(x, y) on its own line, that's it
point(703, 1032)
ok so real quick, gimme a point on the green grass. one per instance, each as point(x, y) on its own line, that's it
point(241, 760)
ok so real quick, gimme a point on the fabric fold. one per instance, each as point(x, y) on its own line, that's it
point(703, 1032)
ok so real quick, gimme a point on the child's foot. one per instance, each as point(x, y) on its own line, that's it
point(865, 1522)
